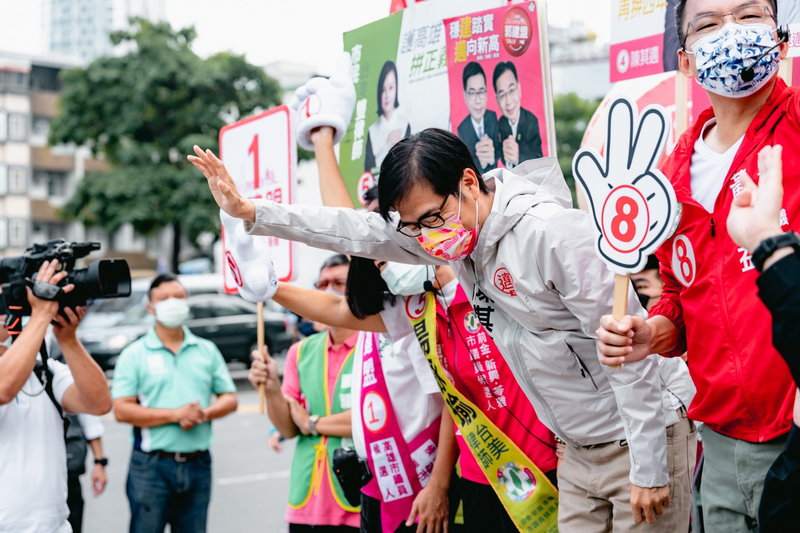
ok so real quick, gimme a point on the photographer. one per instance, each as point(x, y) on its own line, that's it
point(754, 224)
point(33, 459)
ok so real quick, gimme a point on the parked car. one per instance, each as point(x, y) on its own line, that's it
point(228, 321)
point(104, 313)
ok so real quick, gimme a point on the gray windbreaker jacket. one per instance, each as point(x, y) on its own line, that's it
point(540, 289)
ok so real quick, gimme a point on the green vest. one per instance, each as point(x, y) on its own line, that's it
point(315, 453)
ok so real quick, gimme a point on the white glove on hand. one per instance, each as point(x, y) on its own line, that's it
point(254, 260)
point(325, 102)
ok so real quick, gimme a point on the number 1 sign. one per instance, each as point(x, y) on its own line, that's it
point(632, 202)
point(260, 153)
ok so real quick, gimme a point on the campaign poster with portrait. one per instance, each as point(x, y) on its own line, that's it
point(501, 103)
point(789, 16)
point(399, 68)
point(643, 38)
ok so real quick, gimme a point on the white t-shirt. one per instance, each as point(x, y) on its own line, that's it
point(412, 388)
point(33, 458)
point(709, 169)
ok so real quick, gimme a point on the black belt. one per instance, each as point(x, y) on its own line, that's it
point(179, 456)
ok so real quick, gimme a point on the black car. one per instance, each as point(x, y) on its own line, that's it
point(228, 321)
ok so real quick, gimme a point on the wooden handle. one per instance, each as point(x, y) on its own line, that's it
point(262, 391)
point(620, 309)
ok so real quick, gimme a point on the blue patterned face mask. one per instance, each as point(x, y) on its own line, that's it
point(723, 55)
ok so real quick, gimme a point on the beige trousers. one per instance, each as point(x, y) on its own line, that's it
point(594, 490)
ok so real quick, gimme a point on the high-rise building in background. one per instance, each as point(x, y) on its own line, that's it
point(80, 29)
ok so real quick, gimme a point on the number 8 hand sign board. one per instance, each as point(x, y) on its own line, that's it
point(632, 202)
point(261, 155)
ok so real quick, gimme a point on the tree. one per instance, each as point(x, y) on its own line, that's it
point(143, 112)
point(572, 114)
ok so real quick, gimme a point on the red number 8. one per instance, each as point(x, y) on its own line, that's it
point(629, 218)
point(683, 258)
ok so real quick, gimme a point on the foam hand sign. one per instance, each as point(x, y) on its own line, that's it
point(632, 202)
point(325, 102)
point(250, 261)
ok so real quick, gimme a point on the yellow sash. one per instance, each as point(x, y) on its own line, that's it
point(526, 493)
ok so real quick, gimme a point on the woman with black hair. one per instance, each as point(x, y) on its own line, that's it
point(391, 126)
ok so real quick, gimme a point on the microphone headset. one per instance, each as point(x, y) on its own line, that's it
point(749, 73)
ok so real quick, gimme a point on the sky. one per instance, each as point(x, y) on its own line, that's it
point(299, 31)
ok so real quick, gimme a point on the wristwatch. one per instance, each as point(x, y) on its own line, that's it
point(312, 424)
point(770, 245)
point(103, 461)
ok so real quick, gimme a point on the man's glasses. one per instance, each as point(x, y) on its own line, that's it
point(476, 95)
point(503, 96)
point(432, 221)
point(711, 22)
point(338, 284)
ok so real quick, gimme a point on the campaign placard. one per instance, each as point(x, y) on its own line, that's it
point(260, 153)
point(399, 68)
point(643, 38)
point(500, 91)
point(632, 203)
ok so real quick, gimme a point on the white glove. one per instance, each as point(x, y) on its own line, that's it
point(325, 102)
point(253, 259)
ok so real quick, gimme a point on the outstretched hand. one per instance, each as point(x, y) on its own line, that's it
point(222, 186)
point(756, 210)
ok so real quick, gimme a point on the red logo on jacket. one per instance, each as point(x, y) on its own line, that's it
point(504, 281)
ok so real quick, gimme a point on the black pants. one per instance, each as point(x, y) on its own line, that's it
point(483, 510)
point(781, 497)
point(75, 502)
point(304, 528)
point(371, 510)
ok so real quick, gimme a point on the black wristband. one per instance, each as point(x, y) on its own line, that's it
point(103, 461)
point(769, 246)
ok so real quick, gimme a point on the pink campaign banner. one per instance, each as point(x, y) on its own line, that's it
point(637, 58)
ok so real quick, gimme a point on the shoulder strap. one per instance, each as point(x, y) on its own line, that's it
point(45, 377)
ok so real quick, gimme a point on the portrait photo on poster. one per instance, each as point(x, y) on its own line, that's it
point(499, 96)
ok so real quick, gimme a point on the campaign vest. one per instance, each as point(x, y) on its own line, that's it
point(313, 454)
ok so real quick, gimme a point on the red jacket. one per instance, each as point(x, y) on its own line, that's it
point(744, 388)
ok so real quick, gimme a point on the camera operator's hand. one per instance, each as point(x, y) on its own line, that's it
point(65, 328)
point(47, 274)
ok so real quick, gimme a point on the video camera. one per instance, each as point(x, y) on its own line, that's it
point(106, 278)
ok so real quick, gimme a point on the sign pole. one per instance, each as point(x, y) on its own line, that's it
point(262, 391)
point(681, 104)
point(620, 308)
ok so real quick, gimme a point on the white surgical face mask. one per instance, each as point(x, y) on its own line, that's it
point(171, 312)
point(721, 57)
point(334, 291)
point(406, 280)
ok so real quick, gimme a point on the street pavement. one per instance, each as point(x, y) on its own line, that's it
point(251, 482)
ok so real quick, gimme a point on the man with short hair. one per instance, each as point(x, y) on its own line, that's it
point(33, 398)
point(163, 384)
point(710, 303)
point(519, 128)
point(479, 129)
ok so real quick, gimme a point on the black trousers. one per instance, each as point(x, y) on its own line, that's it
point(304, 528)
point(75, 503)
point(781, 497)
point(371, 509)
point(483, 510)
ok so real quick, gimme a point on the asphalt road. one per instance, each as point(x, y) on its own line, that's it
point(251, 482)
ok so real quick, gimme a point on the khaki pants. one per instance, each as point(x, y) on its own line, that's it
point(594, 489)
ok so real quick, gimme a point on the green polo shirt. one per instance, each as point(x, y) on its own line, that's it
point(163, 380)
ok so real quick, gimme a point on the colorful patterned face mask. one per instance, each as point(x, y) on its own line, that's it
point(452, 241)
point(723, 55)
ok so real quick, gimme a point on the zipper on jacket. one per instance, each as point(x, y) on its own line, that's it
point(584, 370)
point(713, 227)
point(529, 382)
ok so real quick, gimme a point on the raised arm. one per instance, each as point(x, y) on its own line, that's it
point(324, 307)
point(335, 229)
point(331, 182)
